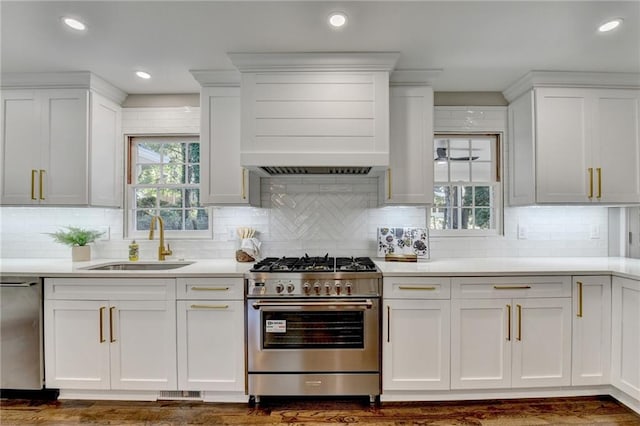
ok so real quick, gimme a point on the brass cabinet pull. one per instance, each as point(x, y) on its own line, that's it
point(416, 287)
point(590, 169)
point(244, 193)
point(388, 323)
point(41, 187)
point(209, 288)
point(511, 287)
point(388, 183)
point(33, 184)
point(599, 170)
point(579, 315)
point(508, 322)
point(102, 308)
point(111, 338)
point(519, 322)
point(209, 306)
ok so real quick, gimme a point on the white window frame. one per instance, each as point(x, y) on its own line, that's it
point(498, 191)
point(129, 191)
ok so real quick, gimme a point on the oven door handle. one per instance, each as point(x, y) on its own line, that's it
point(357, 303)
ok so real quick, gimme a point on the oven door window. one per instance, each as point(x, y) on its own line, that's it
point(312, 329)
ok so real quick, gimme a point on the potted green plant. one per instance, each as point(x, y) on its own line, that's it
point(77, 238)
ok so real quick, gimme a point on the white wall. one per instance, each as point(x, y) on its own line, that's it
point(338, 215)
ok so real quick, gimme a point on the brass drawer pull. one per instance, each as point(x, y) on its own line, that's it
point(415, 287)
point(590, 169)
point(388, 323)
point(209, 306)
point(33, 184)
point(102, 340)
point(389, 184)
point(599, 170)
point(519, 322)
point(511, 287)
point(244, 191)
point(579, 315)
point(111, 338)
point(508, 322)
point(41, 189)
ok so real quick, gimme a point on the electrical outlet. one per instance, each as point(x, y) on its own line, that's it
point(522, 232)
point(595, 232)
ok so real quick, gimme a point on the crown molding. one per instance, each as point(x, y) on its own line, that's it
point(532, 79)
point(414, 77)
point(314, 61)
point(217, 78)
point(62, 80)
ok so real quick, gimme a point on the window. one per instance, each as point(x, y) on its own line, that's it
point(164, 180)
point(467, 187)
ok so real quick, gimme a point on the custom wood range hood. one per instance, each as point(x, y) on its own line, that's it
point(315, 113)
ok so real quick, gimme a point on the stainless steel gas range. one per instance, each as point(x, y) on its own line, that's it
point(313, 327)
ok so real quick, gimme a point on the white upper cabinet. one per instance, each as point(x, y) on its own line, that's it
point(409, 177)
point(574, 145)
point(60, 146)
point(223, 179)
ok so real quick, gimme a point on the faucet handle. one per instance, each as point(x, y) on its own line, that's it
point(168, 252)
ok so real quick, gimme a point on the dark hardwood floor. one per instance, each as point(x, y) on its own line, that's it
point(297, 411)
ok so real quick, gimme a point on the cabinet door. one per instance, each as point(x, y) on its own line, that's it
point(541, 343)
point(416, 345)
point(106, 152)
point(223, 179)
point(591, 340)
point(76, 344)
point(616, 130)
point(625, 366)
point(64, 154)
point(409, 179)
point(480, 343)
point(563, 145)
point(143, 345)
point(210, 345)
point(20, 148)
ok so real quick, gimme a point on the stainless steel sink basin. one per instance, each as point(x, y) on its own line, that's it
point(137, 266)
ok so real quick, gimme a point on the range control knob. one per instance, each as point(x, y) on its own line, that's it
point(338, 289)
point(307, 288)
point(290, 288)
point(316, 287)
point(279, 288)
point(347, 286)
point(327, 288)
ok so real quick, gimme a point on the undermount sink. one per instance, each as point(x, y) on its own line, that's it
point(138, 266)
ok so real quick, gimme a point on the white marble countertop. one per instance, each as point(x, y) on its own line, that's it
point(619, 266)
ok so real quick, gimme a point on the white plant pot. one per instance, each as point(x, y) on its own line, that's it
point(80, 253)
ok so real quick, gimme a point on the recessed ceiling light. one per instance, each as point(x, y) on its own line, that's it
point(143, 74)
point(610, 25)
point(74, 23)
point(337, 19)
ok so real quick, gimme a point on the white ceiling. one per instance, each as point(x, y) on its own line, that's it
point(479, 45)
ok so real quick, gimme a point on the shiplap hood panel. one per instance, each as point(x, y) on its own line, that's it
point(315, 113)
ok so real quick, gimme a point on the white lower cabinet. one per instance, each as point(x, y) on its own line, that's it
point(504, 336)
point(100, 343)
point(416, 334)
point(211, 334)
point(625, 366)
point(591, 336)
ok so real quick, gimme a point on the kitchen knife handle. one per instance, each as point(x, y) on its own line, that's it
point(590, 169)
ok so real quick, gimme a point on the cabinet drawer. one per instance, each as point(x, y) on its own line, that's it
point(510, 287)
point(416, 288)
point(110, 289)
point(210, 288)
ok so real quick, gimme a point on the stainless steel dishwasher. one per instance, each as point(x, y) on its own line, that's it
point(21, 354)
